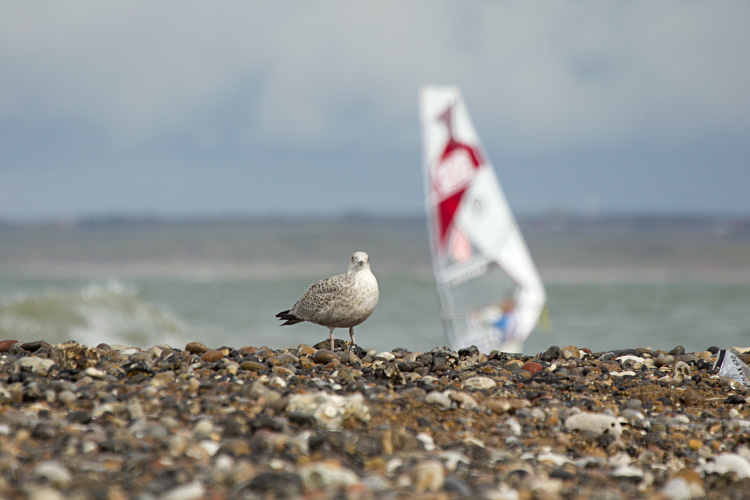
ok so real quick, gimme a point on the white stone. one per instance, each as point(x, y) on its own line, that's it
point(464, 400)
point(555, 458)
point(40, 366)
point(728, 462)
point(440, 399)
point(594, 422)
point(95, 372)
point(681, 371)
point(679, 488)
point(429, 476)
point(329, 410)
point(426, 440)
point(628, 471)
point(388, 356)
point(203, 428)
point(190, 491)
point(630, 357)
point(54, 472)
point(277, 382)
point(514, 426)
point(503, 492)
point(211, 447)
point(480, 383)
point(323, 475)
point(45, 493)
point(451, 459)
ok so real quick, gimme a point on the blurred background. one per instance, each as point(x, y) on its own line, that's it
point(172, 170)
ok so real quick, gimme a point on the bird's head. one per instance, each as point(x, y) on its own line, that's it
point(358, 262)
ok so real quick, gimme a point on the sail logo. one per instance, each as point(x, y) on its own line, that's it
point(460, 247)
point(454, 171)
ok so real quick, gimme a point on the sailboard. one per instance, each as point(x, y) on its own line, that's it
point(490, 292)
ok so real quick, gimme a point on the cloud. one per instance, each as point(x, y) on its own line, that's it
point(568, 71)
point(183, 83)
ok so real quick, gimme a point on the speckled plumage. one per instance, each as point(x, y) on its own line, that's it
point(342, 301)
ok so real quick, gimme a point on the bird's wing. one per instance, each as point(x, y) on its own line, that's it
point(319, 296)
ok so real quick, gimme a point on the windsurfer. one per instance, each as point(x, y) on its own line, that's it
point(507, 322)
point(500, 316)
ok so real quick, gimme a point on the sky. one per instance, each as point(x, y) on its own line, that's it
point(285, 107)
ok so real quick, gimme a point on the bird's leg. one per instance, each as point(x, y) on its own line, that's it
point(351, 334)
point(331, 336)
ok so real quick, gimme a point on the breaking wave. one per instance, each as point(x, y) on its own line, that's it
point(113, 313)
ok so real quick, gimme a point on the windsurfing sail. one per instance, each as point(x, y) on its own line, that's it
point(490, 292)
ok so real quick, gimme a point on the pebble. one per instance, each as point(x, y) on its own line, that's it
point(329, 410)
point(38, 366)
point(685, 485)
point(729, 463)
point(464, 400)
point(122, 422)
point(324, 356)
point(681, 371)
point(440, 399)
point(532, 367)
point(212, 356)
point(429, 476)
point(191, 491)
point(480, 383)
point(253, 366)
point(5, 345)
point(196, 348)
point(54, 472)
point(327, 474)
point(595, 423)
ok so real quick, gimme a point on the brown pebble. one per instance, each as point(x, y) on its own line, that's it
point(324, 356)
point(34, 346)
point(196, 348)
point(212, 356)
point(506, 405)
point(248, 349)
point(253, 366)
point(573, 351)
point(532, 367)
point(513, 365)
point(282, 359)
point(7, 344)
point(333, 365)
point(305, 350)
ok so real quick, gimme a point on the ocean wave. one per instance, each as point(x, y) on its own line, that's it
point(109, 312)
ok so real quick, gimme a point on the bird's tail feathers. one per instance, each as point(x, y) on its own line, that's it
point(291, 319)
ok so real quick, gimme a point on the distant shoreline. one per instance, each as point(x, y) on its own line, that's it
point(551, 222)
point(658, 248)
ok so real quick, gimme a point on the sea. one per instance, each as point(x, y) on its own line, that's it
point(613, 282)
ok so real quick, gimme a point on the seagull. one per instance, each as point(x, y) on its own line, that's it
point(341, 301)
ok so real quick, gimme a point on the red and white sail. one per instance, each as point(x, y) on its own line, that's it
point(479, 256)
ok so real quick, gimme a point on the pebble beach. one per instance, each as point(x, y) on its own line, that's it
point(202, 422)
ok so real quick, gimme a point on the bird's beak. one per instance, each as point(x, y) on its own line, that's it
point(361, 263)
